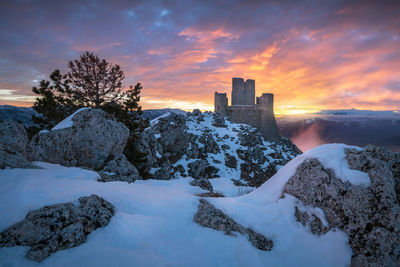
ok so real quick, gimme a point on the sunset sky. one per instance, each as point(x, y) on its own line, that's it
point(312, 55)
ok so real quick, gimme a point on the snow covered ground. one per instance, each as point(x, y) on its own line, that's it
point(153, 225)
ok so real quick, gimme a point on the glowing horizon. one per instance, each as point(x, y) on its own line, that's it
point(311, 57)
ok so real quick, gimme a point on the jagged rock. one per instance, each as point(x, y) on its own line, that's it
point(203, 184)
point(119, 169)
point(312, 221)
point(370, 215)
point(93, 137)
point(13, 142)
point(259, 241)
point(209, 216)
point(210, 145)
point(200, 169)
point(230, 161)
point(58, 227)
point(196, 112)
point(218, 121)
point(197, 168)
point(165, 140)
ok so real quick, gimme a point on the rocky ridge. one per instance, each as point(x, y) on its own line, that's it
point(206, 145)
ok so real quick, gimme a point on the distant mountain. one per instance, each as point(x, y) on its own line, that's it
point(19, 114)
point(24, 114)
point(358, 112)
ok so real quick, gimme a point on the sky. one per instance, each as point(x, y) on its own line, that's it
point(312, 55)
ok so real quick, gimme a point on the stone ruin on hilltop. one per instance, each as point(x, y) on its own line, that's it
point(246, 108)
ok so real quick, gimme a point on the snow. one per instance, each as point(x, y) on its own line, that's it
point(155, 121)
point(228, 189)
point(67, 122)
point(330, 155)
point(153, 225)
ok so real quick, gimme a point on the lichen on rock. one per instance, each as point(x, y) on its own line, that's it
point(58, 227)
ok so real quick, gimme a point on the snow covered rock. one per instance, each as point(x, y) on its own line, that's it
point(203, 184)
point(86, 138)
point(198, 169)
point(206, 145)
point(58, 227)
point(13, 142)
point(368, 213)
point(119, 169)
point(211, 217)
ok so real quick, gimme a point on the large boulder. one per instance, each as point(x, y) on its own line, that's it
point(119, 169)
point(164, 142)
point(86, 138)
point(58, 227)
point(13, 143)
point(370, 215)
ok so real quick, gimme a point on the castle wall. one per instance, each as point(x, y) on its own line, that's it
point(244, 114)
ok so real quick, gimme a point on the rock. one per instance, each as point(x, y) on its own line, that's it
point(259, 241)
point(218, 121)
point(230, 161)
point(13, 143)
point(93, 137)
point(119, 169)
point(165, 140)
point(209, 216)
point(196, 112)
point(370, 215)
point(200, 169)
point(197, 168)
point(312, 221)
point(58, 227)
point(203, 184)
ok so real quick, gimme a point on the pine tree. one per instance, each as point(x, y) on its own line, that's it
point(91, 82)
point(53, 105)
point(94, 81)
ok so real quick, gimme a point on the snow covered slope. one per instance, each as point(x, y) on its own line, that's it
point(154, 224)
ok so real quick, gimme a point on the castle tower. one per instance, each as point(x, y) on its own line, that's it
point(220, 103)
point(268, 125)
point(250, 92)
point(243, 93)
point(238, 91)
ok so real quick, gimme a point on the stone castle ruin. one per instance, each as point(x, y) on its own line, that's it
point(246, 108)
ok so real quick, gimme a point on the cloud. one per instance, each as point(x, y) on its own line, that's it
point(312, 56)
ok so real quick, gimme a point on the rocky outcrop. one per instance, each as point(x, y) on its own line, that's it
point(203, 184)
point(92, 138)
point(58, 227)
point(211, 217)
point(206, 145)
point(13, 143)
point(200, 169)
point(370, 215)
point(119, 169)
